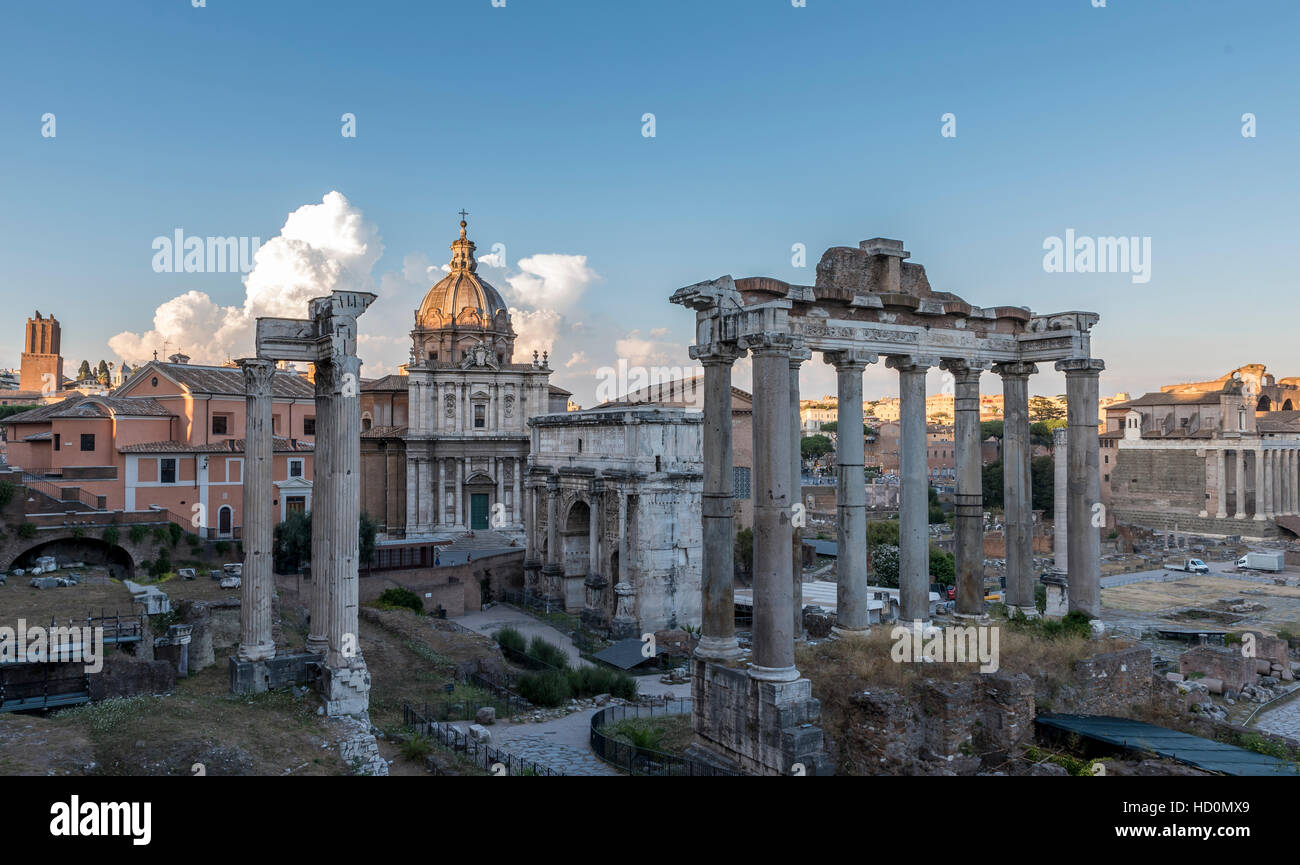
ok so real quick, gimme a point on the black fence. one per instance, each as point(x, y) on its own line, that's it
point(529, 601)
point(645, 761)
point(485, 756)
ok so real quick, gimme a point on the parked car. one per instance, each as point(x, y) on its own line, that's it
point(1195, 566)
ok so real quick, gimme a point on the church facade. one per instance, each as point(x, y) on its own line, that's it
point(445, 444)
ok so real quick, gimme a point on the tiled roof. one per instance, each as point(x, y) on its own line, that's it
point(1160, 398)
point(383, 432)
point(82, 405)
point(224, 380)
point(235, 446)
point(1278, 421)
point(556, 390)
point(392, 382)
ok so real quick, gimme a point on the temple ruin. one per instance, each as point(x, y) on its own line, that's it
point(867, 302)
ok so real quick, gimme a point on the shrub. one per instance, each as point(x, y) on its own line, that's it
point(222, 547)
point(77, 531)
point(27, 530)
point(623, 686)
point(589, 681)
point(416, 747)
point(161, 535)
point(545, 688)
point(7, 490)
point(138, 533)
point(175, 533)
point(547, 653)
point(509, 638)
point(112, 535)
point(161, 565)
point(396, 596)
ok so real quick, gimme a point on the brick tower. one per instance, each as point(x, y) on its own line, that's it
point(41, 355)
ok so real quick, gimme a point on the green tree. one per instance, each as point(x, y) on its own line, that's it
point(881, 532)
point(101, 372)
point(10, 410)
point(991, 484)
point(884, 562)
point(936, 509)
point(816, 446)
point(744, 552)
point(943, 566)
point(83, 371)
point(292, 542)
point(991, 428)
point(1043, 408)
point(1042, 480)
point(366, 539)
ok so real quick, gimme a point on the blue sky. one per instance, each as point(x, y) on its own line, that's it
point(775, 125)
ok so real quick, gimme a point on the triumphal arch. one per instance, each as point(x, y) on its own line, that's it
point(867, 304)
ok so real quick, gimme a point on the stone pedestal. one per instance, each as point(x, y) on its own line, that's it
point(760, 727)
point(624, 625)
point(594, 617)
point(253, 677)
point(1058, 597)
point(345, 689)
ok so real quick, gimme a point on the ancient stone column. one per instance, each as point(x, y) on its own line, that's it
point(1085, 483)
point(340, 529)
point(1221, 484)
point(914, 505)
point(718, 571)
point(441, 509)
point(1017, 489)
point(553, 570)
point(323, 566)
point(1289, 481)
point(1257, 456)
point(1060, 499)
point(258, 586)
point(851, 613)
point(1266, 459)
point(797, 356)
point(597, 493)
point(969, 512)
point(1241, 484)
point(516, 508)
point(773, 616)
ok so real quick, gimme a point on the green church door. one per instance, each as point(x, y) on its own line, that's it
point(478, 511)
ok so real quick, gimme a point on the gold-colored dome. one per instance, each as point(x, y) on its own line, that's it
point(460, 291)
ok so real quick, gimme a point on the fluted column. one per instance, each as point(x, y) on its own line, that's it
point(1085, 484)
point(516, 508)
point(798, 355)
point(553, 570)
point(718, 571)
point(257, 587)
point(341, 529)
point(1258, 456)
point(440, 512)
point(1221, 484)
point(322, 507)
point(1241, 484)
point(914, 506)
point(1060, 498)
point(1266, 457)
point(1017, 489)
point(1289, 481)
point(968, 539)
point(852, 616)
point(773, 616)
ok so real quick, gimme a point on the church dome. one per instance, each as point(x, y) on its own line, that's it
point(462, 296)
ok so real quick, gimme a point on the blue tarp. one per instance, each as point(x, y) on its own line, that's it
point(1185, 748)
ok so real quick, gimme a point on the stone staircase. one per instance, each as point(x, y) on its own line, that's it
point(483, 539)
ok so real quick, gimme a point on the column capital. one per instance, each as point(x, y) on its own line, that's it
point(848, 358)
point(1081, 366)
point(1015, 369)
point(716, 353)
point(258, 373)
point(553, 484)
point(767, 342)
point(910, 362)
point(962, 368)
point(799, 354)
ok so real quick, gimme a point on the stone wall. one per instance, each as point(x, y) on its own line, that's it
point(1228, 665)
point(942, 727)
point(216, 627)
point(1111, 683)
point(761, 728)
point(1209, 526)
point(124, 676)
point(458, 588)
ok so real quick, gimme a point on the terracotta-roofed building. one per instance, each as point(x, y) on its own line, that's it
point(171, 437)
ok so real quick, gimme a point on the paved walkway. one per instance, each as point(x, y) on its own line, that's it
point(563, 744)
point(1283, 719)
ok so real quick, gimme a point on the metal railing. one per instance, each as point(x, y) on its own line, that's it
point(485, 756)
point(62, 494)
point(636, 760)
